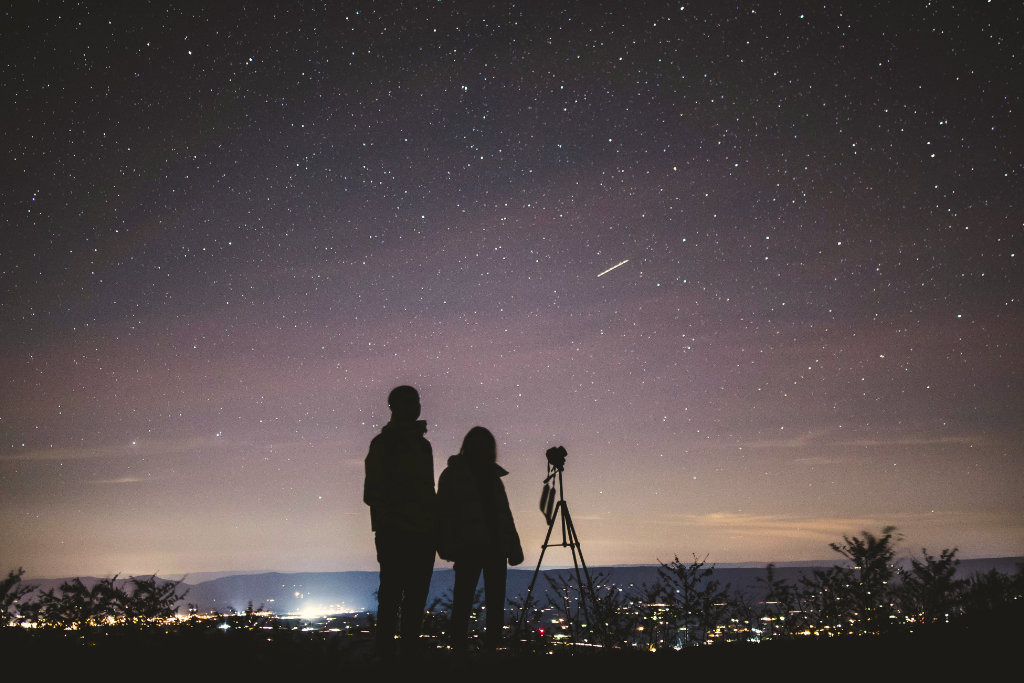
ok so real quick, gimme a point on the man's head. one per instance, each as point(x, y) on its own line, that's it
point(404, 402)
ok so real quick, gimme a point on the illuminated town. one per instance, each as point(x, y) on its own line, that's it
point(687, 608)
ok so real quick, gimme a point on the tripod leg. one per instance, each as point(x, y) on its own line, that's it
point(543, 549)
point(576, 540)
point(574, 544)
point(564, 507)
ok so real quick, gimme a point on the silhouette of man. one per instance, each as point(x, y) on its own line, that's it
point(399, 488)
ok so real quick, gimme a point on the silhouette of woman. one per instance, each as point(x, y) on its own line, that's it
point(476, 532)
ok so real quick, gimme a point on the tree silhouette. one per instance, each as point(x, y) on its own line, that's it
point(612, 612)
point(931, 591)
point(739, 617)
point(779, 606)
point(870, 593)
point(78, 606)
point(651, 612)
point(564, 597)
point(437, 621)
point(438, 616)
point(136, 601)
point(823, 598)
point(695, 600)
point(150, 598)
point(995, 598)
point(11, 591)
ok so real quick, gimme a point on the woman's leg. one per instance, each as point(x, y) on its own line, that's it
point(495, 574)
point(467, 575)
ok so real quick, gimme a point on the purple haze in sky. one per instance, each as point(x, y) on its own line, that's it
point(228, 232)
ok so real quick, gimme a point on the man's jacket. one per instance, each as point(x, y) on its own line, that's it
point(399, 484)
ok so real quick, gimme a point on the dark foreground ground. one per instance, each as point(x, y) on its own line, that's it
point(941, 655)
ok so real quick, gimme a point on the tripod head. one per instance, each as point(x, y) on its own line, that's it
point(556, 458)
point(556, 465)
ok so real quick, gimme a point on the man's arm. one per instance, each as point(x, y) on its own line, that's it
point(374, 483)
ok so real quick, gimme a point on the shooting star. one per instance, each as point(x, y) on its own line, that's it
point(605, 272)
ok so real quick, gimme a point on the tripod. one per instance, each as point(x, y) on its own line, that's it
point(552, 512)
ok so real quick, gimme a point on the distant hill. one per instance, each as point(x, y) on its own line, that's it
point(288, 593)
point(353, 591)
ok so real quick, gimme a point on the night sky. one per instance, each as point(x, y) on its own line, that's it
point(229, 231)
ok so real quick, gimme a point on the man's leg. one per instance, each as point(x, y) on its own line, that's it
point(389, 595)
point(419, 566)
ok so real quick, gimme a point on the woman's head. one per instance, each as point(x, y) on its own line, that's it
point(479, 446)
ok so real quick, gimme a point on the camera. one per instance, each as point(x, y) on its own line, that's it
point(556, 457)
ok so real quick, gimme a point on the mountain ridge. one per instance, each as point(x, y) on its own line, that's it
point(354, 591)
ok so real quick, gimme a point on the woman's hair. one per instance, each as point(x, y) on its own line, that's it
point(479, 446)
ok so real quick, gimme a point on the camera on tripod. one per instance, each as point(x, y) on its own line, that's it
point(556, 464)
point(556, 457)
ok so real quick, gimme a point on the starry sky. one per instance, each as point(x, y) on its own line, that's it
point(229, 231)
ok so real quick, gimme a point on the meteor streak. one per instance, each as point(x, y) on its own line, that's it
point(605, 272)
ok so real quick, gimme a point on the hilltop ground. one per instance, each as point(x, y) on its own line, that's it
point(207, 655)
